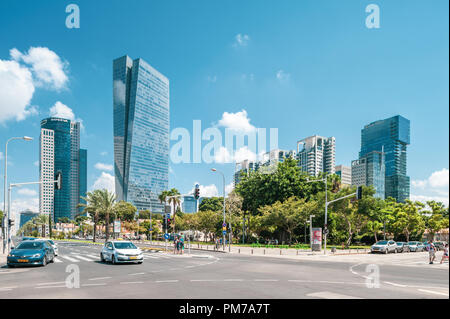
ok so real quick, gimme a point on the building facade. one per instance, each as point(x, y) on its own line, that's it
point(60, 153)
point(141, 133)
point(390, 136)
point(25, 217)
point(189, 204)
point(317, 154)
point(345, 173)
point(370, 171)
point(83, 178)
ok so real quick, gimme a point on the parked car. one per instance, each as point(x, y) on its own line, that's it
point(402, 247)
point(415, 246)
point(31, 252)
point(29, 238)
point(440, 245)
point(121, 252)
point(384, 246)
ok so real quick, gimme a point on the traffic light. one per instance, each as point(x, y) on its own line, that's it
point(58, 180)
point(10, 223)
point(197, 192)
point(359, 192)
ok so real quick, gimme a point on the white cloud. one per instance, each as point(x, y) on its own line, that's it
point(238, 122)
point(17, 91)
point(21, 204)
point(104, 167)
point(244, 153)
point(119, 92)
point(27, 192)
point(229, 188)
point(104, 153)
point(241, 40)
point(62, 110)
point(435, 187)
point(283, 76)
point(105, 180)
point(47, 67)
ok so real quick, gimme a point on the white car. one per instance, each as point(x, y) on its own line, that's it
point(121, 251)
point(54, 245)
point(384, 246)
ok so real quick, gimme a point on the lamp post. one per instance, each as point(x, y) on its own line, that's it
point(6, 217)
point(223, 234)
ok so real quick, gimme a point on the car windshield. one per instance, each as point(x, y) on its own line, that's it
point(399, 244)
point(383, 242)
point(28, 238)
point(30, 245)
point(125, 245)
point(412, 243)
point(51, 242)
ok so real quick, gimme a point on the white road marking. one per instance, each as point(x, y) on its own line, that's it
point(131, 282)
point(233, 280)
point(42, 287)
point(83, 258)
point(69, 259)
point(159, 281)
point(87, 285)
point(57, 260)
point(394, 284)
point(99, 278)
point(199, 280)
point(330, 295)
point(50, 283)
point(5, 289)
point(138, 273)
point(265, 279)
point(434, 292)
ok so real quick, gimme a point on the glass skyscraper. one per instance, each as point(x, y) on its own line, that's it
point(61, 164)
point(141, 133)
point(60, 152)
point(390, 136)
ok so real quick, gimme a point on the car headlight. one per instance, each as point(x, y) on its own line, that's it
point(36, 255)
point(11, 255)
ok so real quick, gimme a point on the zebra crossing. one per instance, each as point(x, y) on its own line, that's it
point(75, 257)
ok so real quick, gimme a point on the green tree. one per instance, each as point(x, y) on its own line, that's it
point(125, 211)
point(408, 220)
point(435, 219)
point(211, 203)
point(92, 208)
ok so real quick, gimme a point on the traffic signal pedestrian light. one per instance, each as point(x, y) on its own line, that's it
point(359, 192)
point(197, 192)
point(10, 223)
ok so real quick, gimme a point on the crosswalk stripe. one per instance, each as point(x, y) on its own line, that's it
point(82, 258)
point(57, 260)
point(330, 295)
point(69, 259)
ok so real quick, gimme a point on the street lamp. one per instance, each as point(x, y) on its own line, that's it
point(7, 216)
point(223, 234)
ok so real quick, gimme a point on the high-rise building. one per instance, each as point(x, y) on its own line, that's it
point(83, 177)
point(25, 217)
point(60, 153)
point(370, 171)
point(189, 204)
point(316, 154)
point(345, 173)
point(390, 136)
point(141, 133)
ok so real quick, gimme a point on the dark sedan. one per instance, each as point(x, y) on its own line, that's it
point(31, 252)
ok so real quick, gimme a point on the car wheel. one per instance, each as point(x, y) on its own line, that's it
point(395, 251)
point(139, 262)
point(44, 261)
point(10, 266)
point(102, 259)
point(113, 260)
point(386, 251)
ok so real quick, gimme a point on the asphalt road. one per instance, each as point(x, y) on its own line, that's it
point(218, 275)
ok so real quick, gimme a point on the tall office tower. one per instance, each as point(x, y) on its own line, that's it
point(74, 167)
point(82, 182)
point(392, 134)
point(317, 154)
point(46, 171)
point(60, 152)
point(370, 171)
point(141, 133)
point(345, 173)
point(189, 204)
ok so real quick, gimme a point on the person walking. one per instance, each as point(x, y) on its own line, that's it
point(175, 245)
point(181, 245)
point(445, 255)
point(431, 251)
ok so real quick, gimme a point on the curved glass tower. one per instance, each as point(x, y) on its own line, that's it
point(141, 133)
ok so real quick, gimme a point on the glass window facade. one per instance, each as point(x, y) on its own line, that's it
point(83, 177)
point(141, 133)
point(62, 162)
point(189, 204)
point(390, 136)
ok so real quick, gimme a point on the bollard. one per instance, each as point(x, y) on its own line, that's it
point(239, 251)
point(252, 251)
point(264, 251)
point(297, 252)
point(280, 252)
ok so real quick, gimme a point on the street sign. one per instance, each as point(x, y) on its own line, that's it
point(117, 226)
point(167, 216)
point(224, 232)
point(224, 225)
point(166, 236)
point(326, 231)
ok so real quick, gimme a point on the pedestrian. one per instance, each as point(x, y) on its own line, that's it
point(181, 245)
point(431, 251)
point(175, 245)
point(445, 255)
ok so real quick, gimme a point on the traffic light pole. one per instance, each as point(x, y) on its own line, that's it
point(9, 207)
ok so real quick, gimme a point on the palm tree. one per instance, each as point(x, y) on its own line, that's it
point(92, 207)
point(175, 201)
point(107, 203)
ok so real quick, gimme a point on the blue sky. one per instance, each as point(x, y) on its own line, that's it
point(334, 76)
